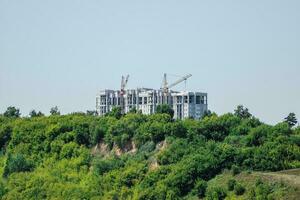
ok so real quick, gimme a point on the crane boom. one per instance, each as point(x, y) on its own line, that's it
point(179, 81)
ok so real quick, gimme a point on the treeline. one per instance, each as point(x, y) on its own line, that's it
point(136, 156)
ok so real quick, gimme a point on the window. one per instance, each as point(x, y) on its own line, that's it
point(202, 100)
point(145, 100)
point(179, 99)
point(185, 99)
point(197, 99)
point(140, 100)
point(191, 99)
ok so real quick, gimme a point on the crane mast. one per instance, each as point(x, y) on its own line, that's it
point(122, 93)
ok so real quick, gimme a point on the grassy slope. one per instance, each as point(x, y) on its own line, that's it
point(286, 184)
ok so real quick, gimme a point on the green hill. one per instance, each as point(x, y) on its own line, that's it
point(79, 156)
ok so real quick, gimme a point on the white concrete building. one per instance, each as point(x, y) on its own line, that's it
point(185, 104)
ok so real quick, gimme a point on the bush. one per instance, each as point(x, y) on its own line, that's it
point(239, 189)
point(200, 188)
point(102, 166)
point(235, 170)
point(216, 193)
point(16, 163)
point(231, 184)
point(5, 135)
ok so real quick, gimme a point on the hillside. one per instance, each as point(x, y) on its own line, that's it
point(260, 185)
point(79, 156)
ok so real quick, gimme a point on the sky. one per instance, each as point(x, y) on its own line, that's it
point(62, 52)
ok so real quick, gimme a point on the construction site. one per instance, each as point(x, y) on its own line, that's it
point(186, 104)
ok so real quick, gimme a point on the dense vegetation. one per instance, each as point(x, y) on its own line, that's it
point(83, 156)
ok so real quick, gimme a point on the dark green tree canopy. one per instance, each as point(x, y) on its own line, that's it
point(291, 119)
point(136, 156)
point(91, 112)
point(11, 111)
point(242, 112)
point(54, 111)
point(115, 112)
point(165, 108)
point(33, 113)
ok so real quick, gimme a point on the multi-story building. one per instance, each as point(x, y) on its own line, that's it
point(185, 104)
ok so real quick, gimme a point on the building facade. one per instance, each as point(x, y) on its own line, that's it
point(185, 104)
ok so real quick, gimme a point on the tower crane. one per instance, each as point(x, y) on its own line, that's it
point(123, 84)
point(122, 93)
point(167, 86)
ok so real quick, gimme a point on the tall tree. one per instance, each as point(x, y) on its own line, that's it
point(165, 108)
point(242, 112)
point(115, 112)
point(291, 119)
point(207, 113)
point(33, 113)
point(11, 111)
point(54, 111)
point(92, 112)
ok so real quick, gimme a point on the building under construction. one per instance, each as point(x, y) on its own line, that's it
point(186, 104)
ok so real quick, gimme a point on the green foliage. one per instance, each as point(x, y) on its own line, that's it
point(242, 112)
point(102, 166)
point(16, 163)
point(263, 190)
point(216, 193)
point(91, 112)
point(235, 170)
point(231, 184)
point(136, 156)
point(200, 188)
point(174, 153)
point(11, 111)
point(33, 113)
point(116, 112)
point(165, 108)
point(291, 119)
point(54, 111)
point(239, 189)
point(5, 134)
point(3, 189)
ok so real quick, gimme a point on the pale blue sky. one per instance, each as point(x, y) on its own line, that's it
point(60, 52)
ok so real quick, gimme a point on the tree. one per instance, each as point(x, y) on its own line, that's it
point(242, 112)
point(239, 189)
point(207, 113)
point(91, 112)
point(33, 113)
point(11, 111)
point(165, 108)
point(200, 188)
point(115, 112)
point(291, 119)
point(54, 111)
point(16, 163)
point(133, 110)
point(5, 135)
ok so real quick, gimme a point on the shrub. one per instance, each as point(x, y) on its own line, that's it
point(239, 189)
point(16, 163)
point(216, 193)
point(200, 188)
point(101, 166)
point(5, 135)
point(231, 184)
point(235, 170)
